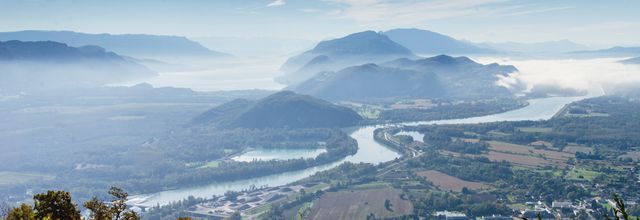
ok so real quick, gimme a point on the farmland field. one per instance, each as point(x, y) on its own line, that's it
point(518, 159)
point(535, 129)
point(527, 150)
point(357, 204)
point(450, 183)
point(577, 148)
point(582, 174)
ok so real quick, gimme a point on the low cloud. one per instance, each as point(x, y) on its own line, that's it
point(587, 74)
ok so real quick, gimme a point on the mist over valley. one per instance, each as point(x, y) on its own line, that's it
point(319, 110)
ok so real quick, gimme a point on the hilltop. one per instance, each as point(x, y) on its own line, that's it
point(429, 42)
point(281, 110)
point(358, 48)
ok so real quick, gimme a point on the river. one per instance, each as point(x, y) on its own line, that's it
point(369, 151)
point(278, 154)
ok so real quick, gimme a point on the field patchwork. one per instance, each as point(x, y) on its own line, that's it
point(572, 148)
point(526, 155)
point(450, 183)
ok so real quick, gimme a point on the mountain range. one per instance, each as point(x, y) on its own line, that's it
point(611, 52)
point(137, 45)
point(357, 48)
point(284, 109)
point(432, 43)
point(435, 77)
point(48, 64)
point(51, 51)
point(373, 47)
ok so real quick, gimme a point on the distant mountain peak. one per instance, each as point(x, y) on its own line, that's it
point(448, 60)
point(368, 65)
point(366, 42)
point(613, 51)
point(440, 61)
point(429, 42)
point(330, 55)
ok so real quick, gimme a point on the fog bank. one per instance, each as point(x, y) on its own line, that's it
point(235, 74)
point(586, 74)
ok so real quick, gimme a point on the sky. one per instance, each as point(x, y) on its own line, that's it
point(590, 22)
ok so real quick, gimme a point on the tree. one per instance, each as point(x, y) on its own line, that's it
point(465, 191)
point(99, 210)
point(235, 216)
point(24, 212)
point(387, 205)
point(231, 195)
point(538, 216)
point(130, 215)
point(274, 213)
point(55, 205)
point(619, 211)
point(184, 218)
point(119, 205)
point(303, 192)
point(115, 211)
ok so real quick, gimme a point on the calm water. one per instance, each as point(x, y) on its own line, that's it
point(278, 154)
point(369, 151)
point(538, 109)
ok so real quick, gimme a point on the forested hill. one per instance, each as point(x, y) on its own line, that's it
point(435, 77)
point(281, 110)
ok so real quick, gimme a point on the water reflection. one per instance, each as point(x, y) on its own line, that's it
point(278, 154)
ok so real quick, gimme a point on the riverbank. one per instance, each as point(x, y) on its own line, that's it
point(369, 151)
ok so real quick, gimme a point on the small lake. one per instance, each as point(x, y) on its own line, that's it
point(278, 154)
point(369, 151)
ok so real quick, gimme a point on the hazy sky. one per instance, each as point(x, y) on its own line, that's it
point(596, 23)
